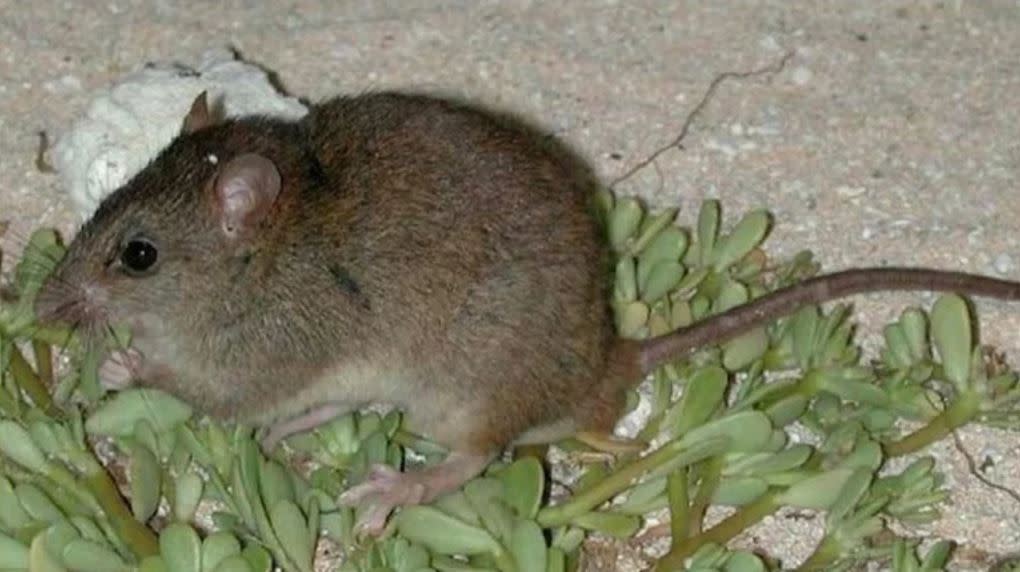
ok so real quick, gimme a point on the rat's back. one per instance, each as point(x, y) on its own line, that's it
point(467, 240)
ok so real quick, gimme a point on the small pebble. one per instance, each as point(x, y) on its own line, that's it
point(850, 192)
point(801, 76)
point(726, 146)
point(1004, 264)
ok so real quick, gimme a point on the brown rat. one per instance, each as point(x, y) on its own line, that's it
point(388, 248)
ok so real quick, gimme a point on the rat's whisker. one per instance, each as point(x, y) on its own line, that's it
point(73, 329)
point(92, 338)
point(118, 343)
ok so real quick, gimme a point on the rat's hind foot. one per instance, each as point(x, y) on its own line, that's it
point(386, 488)
point(120, 368)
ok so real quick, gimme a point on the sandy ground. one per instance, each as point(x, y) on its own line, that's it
point(889, 136)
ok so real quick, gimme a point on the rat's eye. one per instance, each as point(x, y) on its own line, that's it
point(138, 256)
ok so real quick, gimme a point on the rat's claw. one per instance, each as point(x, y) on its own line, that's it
point(383, 490)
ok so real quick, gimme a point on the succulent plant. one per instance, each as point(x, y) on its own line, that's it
point(718, 422)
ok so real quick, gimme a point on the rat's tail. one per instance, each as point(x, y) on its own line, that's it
point(727, 325)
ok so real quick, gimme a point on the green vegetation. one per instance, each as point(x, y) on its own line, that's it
point(719, 421)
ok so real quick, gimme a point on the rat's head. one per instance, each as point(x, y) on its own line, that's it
point(176, 232)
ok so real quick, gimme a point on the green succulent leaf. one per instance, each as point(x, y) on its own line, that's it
point(668, 245)
point(853, 491)
point(951, 331)
point(612, 524)
point(624, 222)
point(293, 532)
point(747, 431)
point(145, 476)
point(120, 415)
point(37, 504)
point(86, 556)
point(702, 397)
point(708, 230)
point(747, 235)
point(456, 504)
point(17, 445)
point(153, 564)
point(41, 559)
point(631, 319)
point(217, 547)
point(527, 544)
point(13, 554)
point(652, 225)
point(40, 257)
point(523, 486)
point(257, 557)
point(663, 277)
point(187, 494)
point(486, 496)
point(743, 562)
point(239, 564)
point(937, 556)
point(443, 533)
point(915, 329)
point(787, 410)
point(626, 280)
point(12, 515)
point(275, 484)
point(819, 492)
point(739, 491)
point(181, 549)
point(745, 349)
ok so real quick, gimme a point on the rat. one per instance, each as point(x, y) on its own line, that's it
point(389, 247)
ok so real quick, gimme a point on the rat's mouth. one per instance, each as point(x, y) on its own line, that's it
point(62, 303)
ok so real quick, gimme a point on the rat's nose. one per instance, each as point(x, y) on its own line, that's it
point(55, 302)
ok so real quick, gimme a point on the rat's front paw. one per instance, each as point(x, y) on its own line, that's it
point(383, 490)
point(120, 368)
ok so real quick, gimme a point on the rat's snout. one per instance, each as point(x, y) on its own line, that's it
point(62, 301)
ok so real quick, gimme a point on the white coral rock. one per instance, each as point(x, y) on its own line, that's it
point(128, 125)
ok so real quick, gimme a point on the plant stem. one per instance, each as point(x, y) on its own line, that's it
point(806, 385)
point(621, 479)
point(825, 554)
point(721, 533)
point(676, 490)
point(30, 383)
point(710, 472)
point(137, 536)
point(962, 411)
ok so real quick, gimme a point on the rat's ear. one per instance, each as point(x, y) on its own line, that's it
point(198, 116)
point(245, 190)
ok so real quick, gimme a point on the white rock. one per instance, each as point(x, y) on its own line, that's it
point(125, 127)
point(802, 76)
point(1003, 264)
